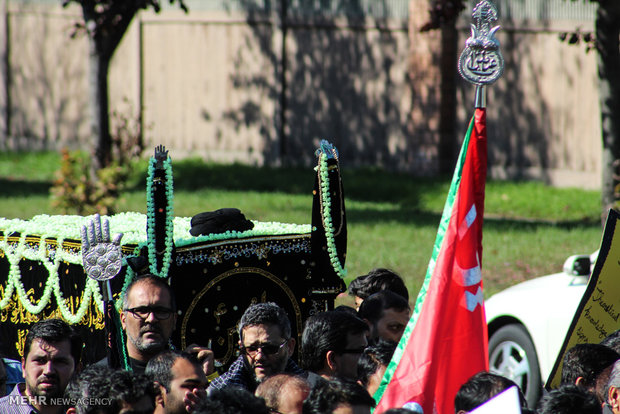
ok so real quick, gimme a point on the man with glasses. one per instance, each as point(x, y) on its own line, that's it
point(266, 347)
point(331, 345)
point(148, 319)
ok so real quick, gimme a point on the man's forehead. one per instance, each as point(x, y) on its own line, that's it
point(269, 329)
point(146, 292)
point(40, 347)
point(396, 314)
point(181, 363)
point(182, 367)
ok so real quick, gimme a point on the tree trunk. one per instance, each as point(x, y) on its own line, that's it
point(448, 147)
point(100, 124)
point(607, 35)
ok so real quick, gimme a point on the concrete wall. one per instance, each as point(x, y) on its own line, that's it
point(211, 84)
point(544, 114)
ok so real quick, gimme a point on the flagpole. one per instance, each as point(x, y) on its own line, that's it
point(481, 98)
point(445, 341)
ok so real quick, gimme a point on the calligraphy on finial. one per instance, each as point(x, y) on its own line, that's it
point(481, 61)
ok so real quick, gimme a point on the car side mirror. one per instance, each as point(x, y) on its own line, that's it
point(577, 265)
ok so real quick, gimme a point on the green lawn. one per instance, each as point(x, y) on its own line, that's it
point(392, 218)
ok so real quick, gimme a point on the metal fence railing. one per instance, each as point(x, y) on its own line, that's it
point(543, 10)
point(509, 10)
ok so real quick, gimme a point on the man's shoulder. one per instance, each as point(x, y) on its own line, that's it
point(314, 378)
point(293, 368)
point(235, 376)
point(15, 403)
point(13, 370)
point(103, 362)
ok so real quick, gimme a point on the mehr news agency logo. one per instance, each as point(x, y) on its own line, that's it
point(57, 401)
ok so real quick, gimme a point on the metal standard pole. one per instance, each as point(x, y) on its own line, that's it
point(481, 98)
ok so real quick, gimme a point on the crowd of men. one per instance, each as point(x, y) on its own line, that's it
point(345, 353)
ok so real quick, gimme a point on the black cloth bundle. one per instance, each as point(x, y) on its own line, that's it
point(219, 221)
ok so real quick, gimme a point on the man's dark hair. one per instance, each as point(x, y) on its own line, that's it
point(348, 309)
point(107, 390)
point(373, 306)
point(377, 280)
point(231, 400)
point(152, 280)
point(373, 357)
point(569, 399)
point(327, 395)
point(266, 314)
point(480, 388)
point(129, 387)
point(53, 331)
point(586, 361)
point(159, 368)
point(327, 331)
point(613, 341)
point(271, 388)
point(90, 384)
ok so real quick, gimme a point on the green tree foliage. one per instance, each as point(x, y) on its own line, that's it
point(74, 192)
point(105, 23)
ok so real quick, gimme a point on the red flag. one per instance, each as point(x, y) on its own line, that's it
point(445, 342)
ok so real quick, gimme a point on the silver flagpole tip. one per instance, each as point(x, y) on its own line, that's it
point(481, 98)
point(481, 62)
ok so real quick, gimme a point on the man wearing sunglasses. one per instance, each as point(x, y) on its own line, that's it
point(266, 347)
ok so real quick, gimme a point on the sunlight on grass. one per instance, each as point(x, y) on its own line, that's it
point(530, 228)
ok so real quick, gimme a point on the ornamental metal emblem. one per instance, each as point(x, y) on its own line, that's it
point(101, 257)
point(481, 61)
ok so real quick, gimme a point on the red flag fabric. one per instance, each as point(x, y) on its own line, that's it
point(445, 341)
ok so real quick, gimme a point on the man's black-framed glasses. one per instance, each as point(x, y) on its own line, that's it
point(265, 349)
point(142, 312)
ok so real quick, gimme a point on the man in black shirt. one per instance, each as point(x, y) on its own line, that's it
point(148, 318)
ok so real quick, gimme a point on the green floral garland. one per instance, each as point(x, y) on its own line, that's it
point(15, 253)
point(150, 219)
point(131, 224)
point(327, 218)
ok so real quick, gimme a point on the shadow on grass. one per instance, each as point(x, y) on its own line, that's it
point(425, 218)
point(361, 184)
point(23, 188)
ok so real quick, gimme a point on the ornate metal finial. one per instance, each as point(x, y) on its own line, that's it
point(101, 256)
point(481, 63)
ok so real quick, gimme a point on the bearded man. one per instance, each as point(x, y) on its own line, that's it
point(52, 352)
point(266, 347)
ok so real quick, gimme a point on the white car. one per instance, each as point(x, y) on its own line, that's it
point(528, 322)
